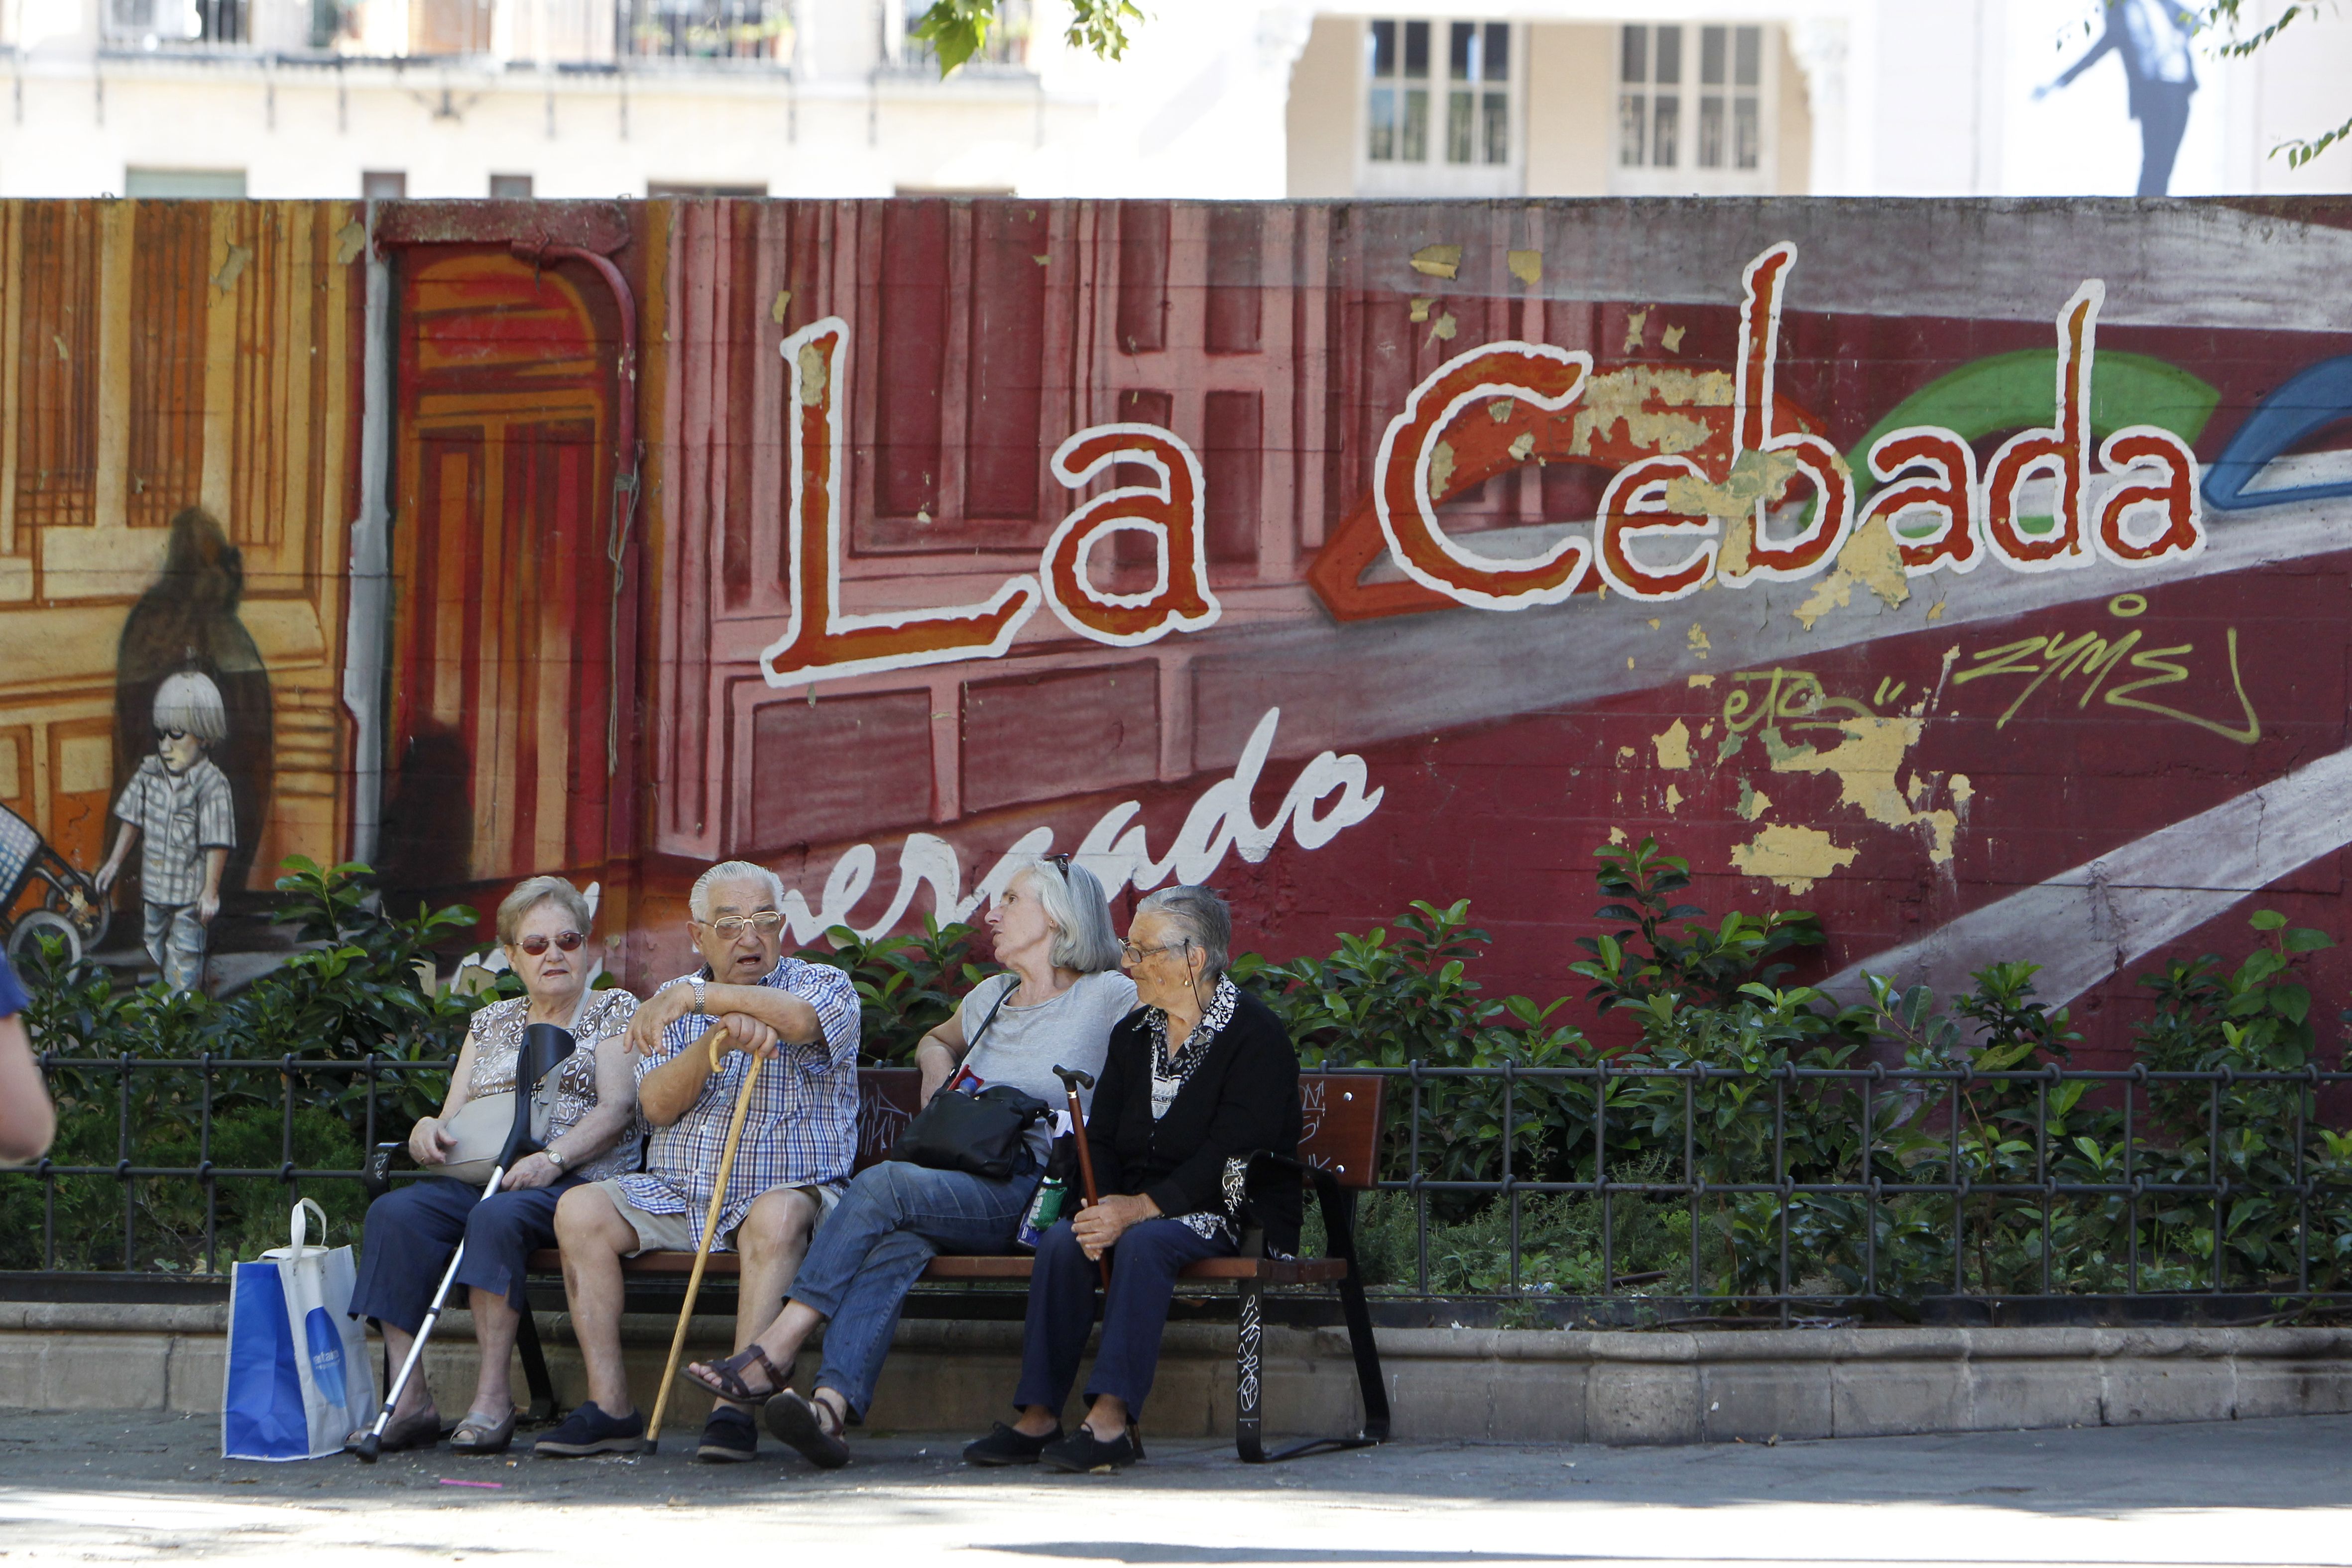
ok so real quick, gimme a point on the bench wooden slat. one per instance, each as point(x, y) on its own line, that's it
point(727, 1265)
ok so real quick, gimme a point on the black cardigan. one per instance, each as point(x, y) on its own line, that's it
point(1242, 1100)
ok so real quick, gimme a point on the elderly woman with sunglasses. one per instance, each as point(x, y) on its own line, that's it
point(411, 1231)
point(1198, 1080)
point(1055, 1008)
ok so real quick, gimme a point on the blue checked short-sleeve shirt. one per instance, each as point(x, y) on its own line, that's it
point(801, 1129)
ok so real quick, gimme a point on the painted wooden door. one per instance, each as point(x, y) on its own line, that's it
point(503, 681)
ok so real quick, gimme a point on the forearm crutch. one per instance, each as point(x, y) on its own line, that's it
point(1073, 1080)
point(710, 1232)
point(369, 1447)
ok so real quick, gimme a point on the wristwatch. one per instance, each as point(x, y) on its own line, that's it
point(553, 1157)
point(701, 994)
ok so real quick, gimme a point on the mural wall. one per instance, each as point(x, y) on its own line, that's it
point(1973, 574)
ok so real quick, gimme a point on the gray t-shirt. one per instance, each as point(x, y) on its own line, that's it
point(1024, 1045)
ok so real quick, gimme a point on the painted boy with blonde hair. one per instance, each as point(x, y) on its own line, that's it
point(179, 804)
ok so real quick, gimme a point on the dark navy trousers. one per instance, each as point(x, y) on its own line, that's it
point(412, 1230)
point(1143, 1270)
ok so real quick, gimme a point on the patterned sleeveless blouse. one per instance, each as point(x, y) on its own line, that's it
point(496, 1039)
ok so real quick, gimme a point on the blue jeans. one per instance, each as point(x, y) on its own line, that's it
point(1143, 1270)
point(870, 1251)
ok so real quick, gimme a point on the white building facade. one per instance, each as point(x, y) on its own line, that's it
point(1242, 99)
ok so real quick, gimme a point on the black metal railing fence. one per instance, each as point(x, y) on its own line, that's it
point(1783, 1188)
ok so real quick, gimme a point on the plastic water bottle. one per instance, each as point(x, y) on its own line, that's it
point(1044, 1209)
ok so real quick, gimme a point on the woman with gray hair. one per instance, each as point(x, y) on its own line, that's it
point(1198, 1080)
point(1054, 1007)
point(412, 1230)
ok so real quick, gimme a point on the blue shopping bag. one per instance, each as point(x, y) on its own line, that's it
point(299, 1377)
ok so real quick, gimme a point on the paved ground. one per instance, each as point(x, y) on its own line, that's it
point(141, 1487)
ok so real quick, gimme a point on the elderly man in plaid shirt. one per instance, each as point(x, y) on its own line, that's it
point(800, 1139)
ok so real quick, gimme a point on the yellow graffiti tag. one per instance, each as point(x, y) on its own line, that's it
point(1790, 698)
point(2039, 658)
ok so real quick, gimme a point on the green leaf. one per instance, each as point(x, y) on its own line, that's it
point(2267, 920)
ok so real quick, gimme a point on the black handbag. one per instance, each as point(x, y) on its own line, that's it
point(982, 1135)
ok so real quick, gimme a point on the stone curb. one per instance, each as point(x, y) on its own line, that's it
point(1478, 1384)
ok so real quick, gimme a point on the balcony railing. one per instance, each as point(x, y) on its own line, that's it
point(596, 34)
point(747, 30)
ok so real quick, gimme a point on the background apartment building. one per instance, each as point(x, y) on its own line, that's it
point(1218, 97)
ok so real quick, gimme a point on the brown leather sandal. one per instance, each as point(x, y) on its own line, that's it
point(724, 1379)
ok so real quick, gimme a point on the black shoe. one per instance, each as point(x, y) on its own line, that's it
point(728, 1437)
point(1082, 1453)
point(588, 1430)
point(1003, 1446)
point(809, 1428)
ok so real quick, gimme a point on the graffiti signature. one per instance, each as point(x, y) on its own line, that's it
point(2089, 654)
point(1790, 698)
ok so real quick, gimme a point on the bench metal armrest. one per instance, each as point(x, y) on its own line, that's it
point(376, 1175)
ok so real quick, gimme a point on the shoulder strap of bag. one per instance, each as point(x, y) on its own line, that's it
point(1002, 997)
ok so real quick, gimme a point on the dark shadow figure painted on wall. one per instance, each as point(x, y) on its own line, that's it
point(427, 841)
point(2151, 37)
point(188, 621)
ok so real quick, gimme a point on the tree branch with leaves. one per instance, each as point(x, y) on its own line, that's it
point(958, 29)
point(2231, 15)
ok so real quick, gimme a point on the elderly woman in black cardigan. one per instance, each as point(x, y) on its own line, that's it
point(1198, 1079)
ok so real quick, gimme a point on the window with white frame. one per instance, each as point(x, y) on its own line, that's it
point(1440, 111)
point(1693, 109)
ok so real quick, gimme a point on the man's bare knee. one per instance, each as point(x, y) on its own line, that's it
point(777, 1227)
point(586, 1221)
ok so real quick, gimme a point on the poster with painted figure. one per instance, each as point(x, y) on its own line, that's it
point(1970, 576)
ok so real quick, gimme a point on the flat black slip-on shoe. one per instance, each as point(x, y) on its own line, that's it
point(588, 1430)
point(728, 1437)
point(1004, 1445)
point(802, 1426)
point(1082, 1453)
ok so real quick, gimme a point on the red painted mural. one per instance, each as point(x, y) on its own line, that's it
point(1973, 574)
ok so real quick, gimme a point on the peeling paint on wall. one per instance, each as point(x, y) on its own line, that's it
point(1869, 559)
point(1867, 765)
point(1793, 857)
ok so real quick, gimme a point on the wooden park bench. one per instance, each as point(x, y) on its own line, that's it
point(1338, 1151)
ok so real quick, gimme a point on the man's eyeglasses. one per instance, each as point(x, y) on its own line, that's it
point(170, 734)
point(535, 944)
point(733, 925)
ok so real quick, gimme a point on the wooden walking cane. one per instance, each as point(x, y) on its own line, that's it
point(710, 1232)
point(1073, 1080)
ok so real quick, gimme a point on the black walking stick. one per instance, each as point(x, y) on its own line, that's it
point(544, 1048)
point(1073, 1080)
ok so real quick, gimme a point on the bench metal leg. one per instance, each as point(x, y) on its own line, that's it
point(1248, 1387)
point(542, 1407)
point(1340, 1225)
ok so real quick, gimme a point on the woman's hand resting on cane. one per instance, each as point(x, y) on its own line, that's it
point(1099, 1225)
point(531, 1170)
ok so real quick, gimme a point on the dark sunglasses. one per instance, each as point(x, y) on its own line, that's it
point(535, 944)
point(170, 734)
point(1059, 863)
